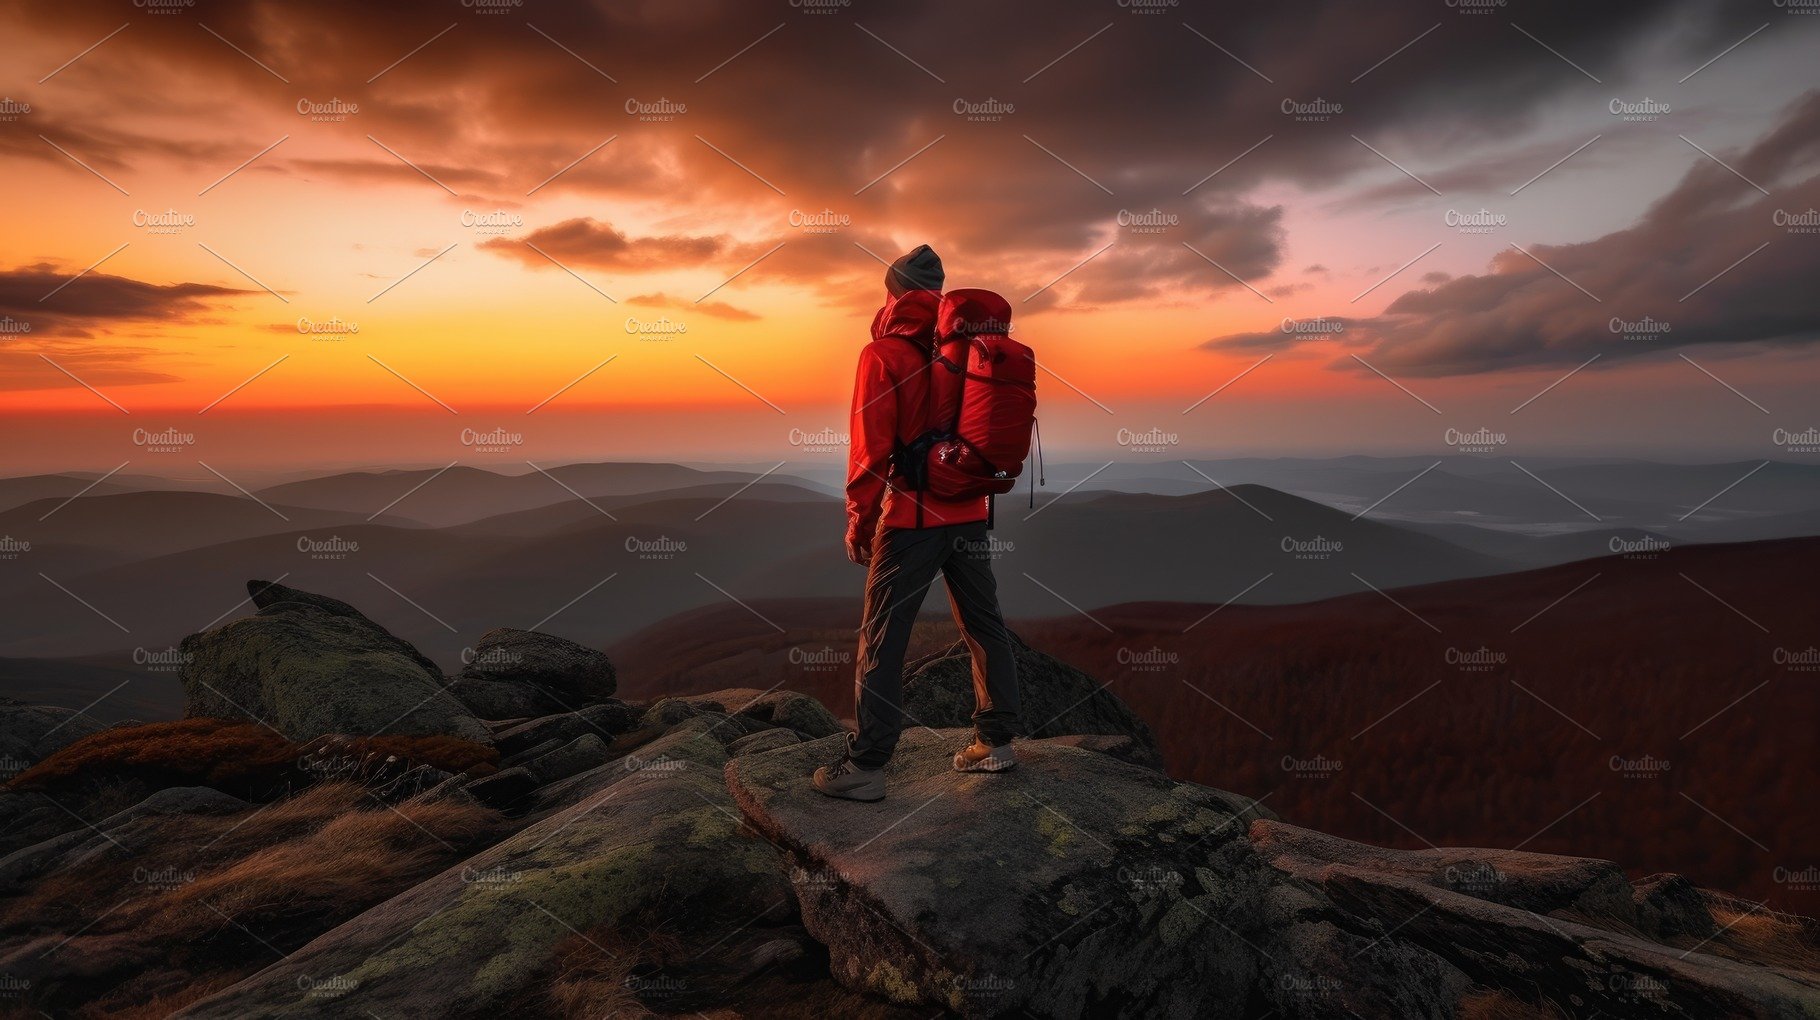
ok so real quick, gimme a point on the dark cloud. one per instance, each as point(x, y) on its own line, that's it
point(596, 245)
point(1723, 267)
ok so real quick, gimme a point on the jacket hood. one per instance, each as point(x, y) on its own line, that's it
point(909, 316)
point(968, 312)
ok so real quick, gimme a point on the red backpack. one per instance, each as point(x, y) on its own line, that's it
point(982, 403)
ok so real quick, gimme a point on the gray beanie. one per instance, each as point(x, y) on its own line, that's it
point(919, 270)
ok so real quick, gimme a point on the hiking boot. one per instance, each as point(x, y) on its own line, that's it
point(981, 757)
point(848, 781)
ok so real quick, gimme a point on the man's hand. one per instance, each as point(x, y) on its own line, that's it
point(859, 546)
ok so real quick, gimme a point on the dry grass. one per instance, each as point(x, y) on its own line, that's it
point(1759, 936)
point(594, 973)
point(1496, 1005)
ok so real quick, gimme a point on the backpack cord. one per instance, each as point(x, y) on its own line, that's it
point(1036, 430)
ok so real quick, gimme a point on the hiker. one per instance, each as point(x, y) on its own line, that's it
point(942, 414)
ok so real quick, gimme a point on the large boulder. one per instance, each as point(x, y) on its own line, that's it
point(309, 666)
point(1055, 699)
point(31, 733)
point(649, 853)
point(1076, 885)
point(513, 673)
point(787, 709)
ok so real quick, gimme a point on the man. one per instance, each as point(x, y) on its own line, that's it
point(905, 537)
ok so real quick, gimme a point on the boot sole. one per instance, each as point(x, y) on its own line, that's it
point(848, 796)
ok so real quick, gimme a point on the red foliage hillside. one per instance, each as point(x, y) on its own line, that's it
point(1657, 712)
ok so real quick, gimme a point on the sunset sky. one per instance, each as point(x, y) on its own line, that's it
point(501, 197)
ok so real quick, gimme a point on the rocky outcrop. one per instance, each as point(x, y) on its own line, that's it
point(516, 673)
point(31, 733)
point(1055, 699)
point(1074, 884)
point(476, 938)
point(309, 666)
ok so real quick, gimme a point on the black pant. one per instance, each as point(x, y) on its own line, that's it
point(904, 562)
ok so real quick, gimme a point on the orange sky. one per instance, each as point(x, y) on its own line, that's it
point(342, 217)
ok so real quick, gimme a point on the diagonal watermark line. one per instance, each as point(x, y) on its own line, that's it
point(1392, 162)
point(1557, 272)
point(755, 174)
point(426, 174)
point(1070, 50)
point(1556, 52)
point(243, 272)
point(1722, 272)
point(414, 272)
point(1557, 163)
point(243, 490)
point(242, 166)
point(414, 604)
point(1397, 709)
point(1723, 383)
point(211, 624)
point(578, 598)
point(1723, 822)
point(1556, 491)
point(736, 493)
point(571, 166)
point(1070, 605)
point(1723, 163)
point(80, 382)
point(1740, 613)
point(1058, 378)
point(85, 602)
point(1241, 281)
point(84, 273)
point(84, 492)
point(742, 604)
point(899, 164)
point(1396, 490)
point(1728, 707)
point(1069, 489)
point(245, 54)
point(1387, 597)
point(533, 246)
point(897, 823)
point(741, 52)
point(736, 382)
point(572, 383)
point(741, 273)
point(1722, 53)
point(901, 53)
point(1209, 614)
point(1222, 387)
point(1552, 708)
point(1064, 276)
point(1392, 819)
point(1725, 490)
point(572, 53)
point(1557, 382)
point(1393, 382)
point(1394, 272)
point(572, 492)
point(1229, 53)
point(83, 711)
point(413, 488)
point(1399, 49)
point(411, 384)
point(244, 383)
point(1228, 492)
point(1556, 602)
point(411, 54)
point(1226, 164)
point(1071, 166)
point(1557, 821)
point(85, 53)
point(85, 166)
point(1728, 927)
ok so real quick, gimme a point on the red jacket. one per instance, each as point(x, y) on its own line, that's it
point(890, 405)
